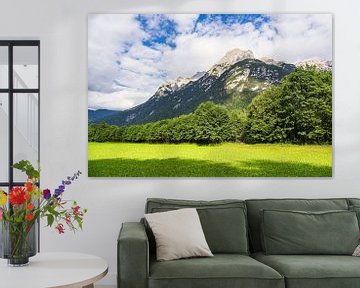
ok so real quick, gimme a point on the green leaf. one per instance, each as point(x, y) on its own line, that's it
point(26, 167)
point(50, 219)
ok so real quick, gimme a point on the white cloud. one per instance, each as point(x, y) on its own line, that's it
point(286, 37)
point(302, 36)
point(185, 22)
point(120, 100)
point(107, 34)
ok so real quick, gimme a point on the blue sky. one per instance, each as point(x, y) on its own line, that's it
point(167, 29)
point(130, 55)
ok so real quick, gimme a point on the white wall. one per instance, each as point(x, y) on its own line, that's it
point(62, 28)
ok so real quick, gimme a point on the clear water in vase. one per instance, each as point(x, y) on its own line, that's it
point(18, 242)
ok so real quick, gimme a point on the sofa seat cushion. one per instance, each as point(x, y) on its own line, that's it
point(222, 270)
point(314, 271)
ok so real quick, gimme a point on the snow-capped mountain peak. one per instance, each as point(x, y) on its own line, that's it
point(231, 57)
point(235, 55)
point(271, 61)
point(315, 62)
point(197, 76)
point(172, 85)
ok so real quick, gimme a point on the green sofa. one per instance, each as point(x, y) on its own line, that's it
point(233, 231)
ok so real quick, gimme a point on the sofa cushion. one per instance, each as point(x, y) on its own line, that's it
point(222, 270)
point(223, 221)
point(178, 234)
point(353, 201)
point(297, 232)
point(314, 271)
point(254, 206)
point(356, 209)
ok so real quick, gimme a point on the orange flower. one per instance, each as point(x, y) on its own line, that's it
point(29, 186)
point(27, 196)
point(29, 217)
point(29, 206)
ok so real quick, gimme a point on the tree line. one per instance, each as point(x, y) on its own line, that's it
point(298, 111)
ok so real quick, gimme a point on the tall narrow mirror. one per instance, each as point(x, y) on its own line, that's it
point(25, 67)
point(4, 67)
point(4, 137)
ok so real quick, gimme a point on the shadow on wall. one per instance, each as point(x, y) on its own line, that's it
point(176, 167)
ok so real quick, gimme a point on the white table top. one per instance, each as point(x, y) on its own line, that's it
point(45, 270)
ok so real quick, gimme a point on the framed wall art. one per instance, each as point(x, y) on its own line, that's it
point(210, 95)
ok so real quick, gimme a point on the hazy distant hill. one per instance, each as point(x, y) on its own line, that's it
point(96, 115)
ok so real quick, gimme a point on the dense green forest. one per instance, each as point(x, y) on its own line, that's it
point(297, 111)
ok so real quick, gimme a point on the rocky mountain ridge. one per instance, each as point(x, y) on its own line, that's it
point(233, 81)
point(322, 65)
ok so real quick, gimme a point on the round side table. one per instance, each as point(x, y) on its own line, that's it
point(50, 270)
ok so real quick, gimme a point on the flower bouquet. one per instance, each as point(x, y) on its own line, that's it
point(21, 208)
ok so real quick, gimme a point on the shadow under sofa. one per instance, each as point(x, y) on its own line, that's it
point(232, 229)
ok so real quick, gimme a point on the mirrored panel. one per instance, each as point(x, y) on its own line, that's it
point(4, 137)
point(26, 74)
point(5, 189)
point(26, 130)
point(4, 67)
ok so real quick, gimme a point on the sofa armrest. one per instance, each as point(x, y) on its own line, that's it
point(133, 256)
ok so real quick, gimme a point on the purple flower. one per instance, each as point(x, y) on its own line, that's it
point(46, 194)
point(68, 181)
point(58, 192)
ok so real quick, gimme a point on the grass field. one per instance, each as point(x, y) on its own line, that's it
point(225, 160)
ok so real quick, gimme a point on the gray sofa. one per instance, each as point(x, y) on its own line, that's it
point(233, 231)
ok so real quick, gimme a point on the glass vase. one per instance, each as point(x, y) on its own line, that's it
point(18, 242)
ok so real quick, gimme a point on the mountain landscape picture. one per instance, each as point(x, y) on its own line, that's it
point(210, 95)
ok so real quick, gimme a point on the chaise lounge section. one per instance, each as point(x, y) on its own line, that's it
point(232, 229)
point(310, 271)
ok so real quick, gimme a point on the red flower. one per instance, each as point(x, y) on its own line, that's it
point(29, 206)
point(68, 219)
point(27, 196)
point(17, 196)
point(60, 228)
point(29, 217)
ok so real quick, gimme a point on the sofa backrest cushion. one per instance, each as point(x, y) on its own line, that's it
point(298, 232)
point(223, 221)
point(256, 205)
point(354, 205)
point(353, 202)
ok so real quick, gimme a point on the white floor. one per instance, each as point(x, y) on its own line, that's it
point(104, 286)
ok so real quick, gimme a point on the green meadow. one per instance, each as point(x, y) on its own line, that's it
point(223, 160)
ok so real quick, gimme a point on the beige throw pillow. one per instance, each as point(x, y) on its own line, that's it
point(178, 234)
point(357, 251)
